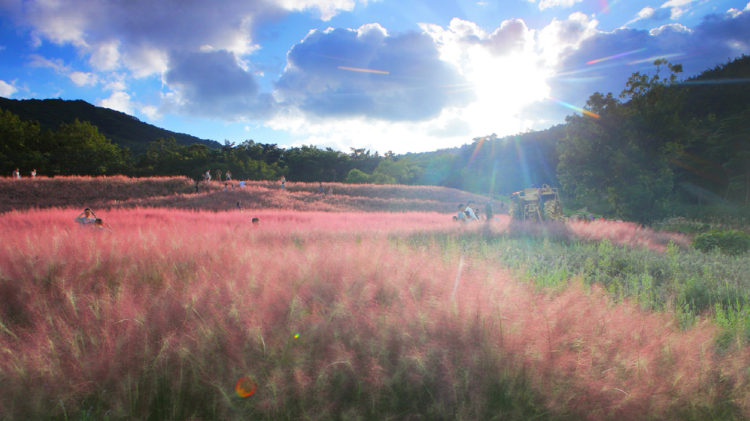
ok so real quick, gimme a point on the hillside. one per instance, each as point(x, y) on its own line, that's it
point(179, 193)
point(123, 129)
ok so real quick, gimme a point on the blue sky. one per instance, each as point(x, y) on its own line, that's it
point(406, 75)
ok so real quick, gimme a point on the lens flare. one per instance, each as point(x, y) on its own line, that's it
point(245, 387)
point(654, 58)
point(296, 336)
point(573, 107)
point(357, 69)
point(605, 6)
point(615, 56)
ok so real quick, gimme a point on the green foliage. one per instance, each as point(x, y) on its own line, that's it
point(730, 242)
point(18, 143)
point(625, 148)
point(356, 176)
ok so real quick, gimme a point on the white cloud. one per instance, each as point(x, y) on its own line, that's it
point(327, 8)
point(747, 8)
point(547, 4)
point(55, 64)
point(119, 101)
point(563, 36)
point(140, 35)
point(7, 89)
point(106, 56)
point(151, 112)
point(83, 79)
point(677, 3)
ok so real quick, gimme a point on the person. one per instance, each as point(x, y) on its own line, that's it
point(461, 214)
point(16, 174)
point(591, 217)
point(196, 185)
point(229, 175)
point(242, 183)
point(218, 175)
point(239, 207)
point(488, 210)
point(455, 218)
point(225, 186)
point(283, 184)
point(321, 190)
point(33, 173)
point(256, 222)
point(86, 217)
point(469, 211)
point(330, 190)
point(99, 225)
point(208, 175)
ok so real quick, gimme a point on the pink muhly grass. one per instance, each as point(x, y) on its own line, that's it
point(175, 306)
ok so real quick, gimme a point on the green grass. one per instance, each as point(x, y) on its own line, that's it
point(691, 283)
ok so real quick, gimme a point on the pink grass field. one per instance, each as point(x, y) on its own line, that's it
point(179, 193)
point(331, 318)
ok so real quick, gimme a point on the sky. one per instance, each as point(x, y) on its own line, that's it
point(386, 75)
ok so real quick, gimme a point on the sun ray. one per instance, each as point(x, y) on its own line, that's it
point(573, 107)
point(615, 56)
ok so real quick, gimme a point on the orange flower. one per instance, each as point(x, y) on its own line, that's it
point(245, 387)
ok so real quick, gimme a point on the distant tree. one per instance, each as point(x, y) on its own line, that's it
point(19, 144)
point(79, 149)
point(356, 176)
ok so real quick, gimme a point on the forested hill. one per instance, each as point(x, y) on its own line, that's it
point(123, 129)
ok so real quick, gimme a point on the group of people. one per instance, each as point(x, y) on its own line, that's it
point(17, 174)
point(227, 176)
point(471, 212)
point(88, 219)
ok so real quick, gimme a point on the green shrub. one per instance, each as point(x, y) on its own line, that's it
point(730, 242)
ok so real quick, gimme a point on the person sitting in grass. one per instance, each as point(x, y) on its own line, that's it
point(470, 213)
point(242, 183)
point(86, 217)
point(99, 225)
point(461, 214)
point(256, 222)
point(239, 207)
point(321, 190)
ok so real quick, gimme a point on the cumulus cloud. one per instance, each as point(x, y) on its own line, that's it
point(588, 66)
point(213, 84)
point(547, 4)
point(83, 78)
point(7, 89)
point(651, 14)
point(346, 73)
point(119, 101)
point(140, 34)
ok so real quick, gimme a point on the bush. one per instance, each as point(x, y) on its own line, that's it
point(731, 242)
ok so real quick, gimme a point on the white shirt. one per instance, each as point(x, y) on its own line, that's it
point(242, 184)
point(470, 214)
point(85, 221)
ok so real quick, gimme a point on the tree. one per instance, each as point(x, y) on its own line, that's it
point(79, 149)
point(18, 144)
point(625, 148)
